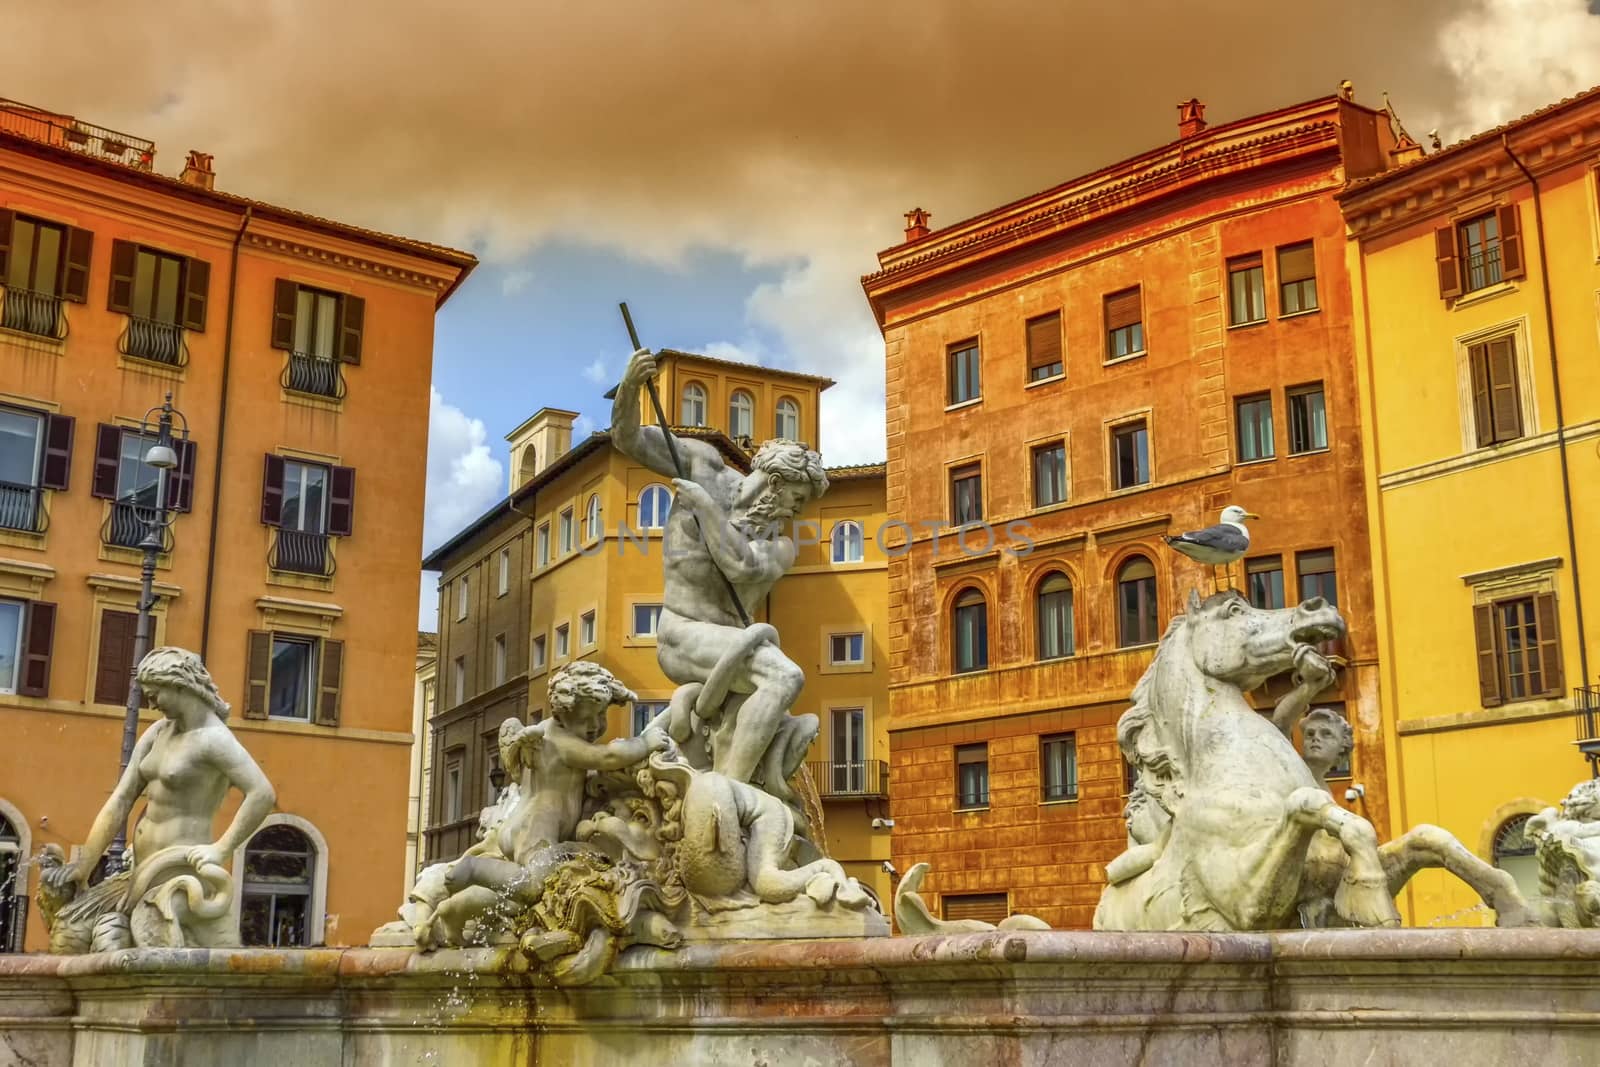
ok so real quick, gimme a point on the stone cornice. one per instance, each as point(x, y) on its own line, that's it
point(326, 256)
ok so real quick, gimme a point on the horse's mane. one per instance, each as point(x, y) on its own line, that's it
point(1138, 716)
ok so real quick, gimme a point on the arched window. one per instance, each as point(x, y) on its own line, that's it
point(275, 904)
point(528, 466)
point(591, 519)
point(10, 891)
point(694, 405)
point(1514, 854)
point(848, 542)
point(788, 421)
point(1054, 620)
point(1137, 622)
point(971, 647)
point(741, 414)
point(654, 504)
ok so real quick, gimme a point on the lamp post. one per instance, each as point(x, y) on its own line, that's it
point(154, 518)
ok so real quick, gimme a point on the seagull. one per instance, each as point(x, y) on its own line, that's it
point(1219, 544)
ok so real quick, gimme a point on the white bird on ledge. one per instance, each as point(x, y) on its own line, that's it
point(1220, 544)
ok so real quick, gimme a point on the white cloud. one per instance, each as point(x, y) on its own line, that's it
point(515, 281)
point(596, 372)
point(582, 427)
point(1511, 57)
point(464, 478)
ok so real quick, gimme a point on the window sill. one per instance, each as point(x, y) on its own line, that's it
point(1323, 451)
point(1135, 648)
point(1300, 314)
point(312, 400)
point(1062, 802)
point(1128, 490)
point(975, 810)
point(23, 539)
point(1254, 462)
point(154, 368)
point(1247, 325)
point(1124, 359)
point(639, 641)
point(845, 668)
point(1478, 296)
point(133, 556)
point(301, 721)
point(1047, 381)
point(32, 342)
point(959, 405)
point(296, 580)
point(1057, 659)
point(969, 672)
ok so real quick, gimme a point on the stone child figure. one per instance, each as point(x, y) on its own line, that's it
point(702, 644)
point(1566, 840)
point(176, 892)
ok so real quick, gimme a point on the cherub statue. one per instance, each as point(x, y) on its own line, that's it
point(1566, 840)
point(176, 891)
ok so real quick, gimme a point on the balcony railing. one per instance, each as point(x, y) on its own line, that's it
point(64, 131)
point(32, 312)
point(124, 528)
point(855, 778)
point(314, 375)
point(1586, 708)
point(301, 553)
point(22, 508)
point(159, 342)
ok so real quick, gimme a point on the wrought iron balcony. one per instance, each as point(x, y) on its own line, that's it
point(159, 342)
point(64, 131)
point(301, 553)
point(857, 778)
point(1586, 709)
point(124, 528)
point(22, 508)
point(314, 375)
point(32, 312)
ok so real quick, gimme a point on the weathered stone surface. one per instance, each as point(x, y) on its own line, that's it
point(1464, 997)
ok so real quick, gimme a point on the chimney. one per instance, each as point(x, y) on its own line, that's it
point(917, 224)
point(539, 442)
point(197, 170)
point(1191, 118)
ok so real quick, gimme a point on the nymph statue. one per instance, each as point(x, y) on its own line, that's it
point(176, 891)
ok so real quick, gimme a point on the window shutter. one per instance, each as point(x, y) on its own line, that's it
point(1044, 341)
point(75, 266)
point(1512, 263)
point(331, 682)
point(124, 258)
point(1297, 263)
point(57, 467)
point(352, 317)
point(1544, 606)
point(196, 284)
point(180, 481)
point(35, 681)
point(5, 242)
point(285, 301)
point(1503, 398)
point(1448, 259)
point(1483, 628)
point(1482, 408)
point(107, 456)
point(118, 629)
point(272, 491)
point(341, 501)
point(1123, 309)
point(257, 673)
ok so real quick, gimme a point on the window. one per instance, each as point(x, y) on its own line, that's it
point(34, 261)
point(644, 712)
point(646, 617)
point(654, 504)
point(461, 598)
point(460, 679)
point(1044, 347)
point(1297, 278)
point(1317, 577)
point(848, 542)
point(307, 503)
point(972, 775)
point(1479, 252)
point(1264, 581)
point(319, 330)
point(1253, 417)
point(504, 582)
point(1247, 290)
point(452, 784)
point(46, 264)
point(971, 652)
point(539, 652)
point(500, 659)
point(13, 614)
point(1130, 455)
point(1496, 397)
point(563, 641)
point(162, 294)
point(741, 414)
point(1050, 474)
point(275, 898)
point(21, 440)
point(992, 908)
point(316, 322)
point(1519, 649)
point(848, 747)
point(847, 648)
point(1308, 419)
point(1054, 621)
point(963, 372)
point(966, 494)
point(567, 531)
point(305, 497)
point(694, 405)
point(1137, 612)
point(294, 678)
point(1124, 323)
point(1058, 766)
point(1515, 854)
point(114, 660)
point(544, 543)
point(1479, 241)
point(787, 422)
point(586, 629)
point(157, 286)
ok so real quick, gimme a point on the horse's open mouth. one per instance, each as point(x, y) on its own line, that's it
point(1315, 633)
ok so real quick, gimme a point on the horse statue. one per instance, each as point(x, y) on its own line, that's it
point(1225, 808)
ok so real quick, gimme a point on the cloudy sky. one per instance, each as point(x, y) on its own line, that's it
point(730, 169)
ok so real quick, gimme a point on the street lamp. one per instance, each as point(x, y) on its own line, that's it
point(154, 518)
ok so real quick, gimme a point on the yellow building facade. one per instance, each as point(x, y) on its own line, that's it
point(590, 522)
point(1477, 274)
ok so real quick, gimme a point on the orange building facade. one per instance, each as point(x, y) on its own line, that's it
point(299, 351)
point(1075, 375)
